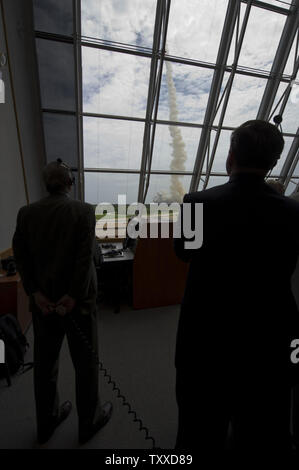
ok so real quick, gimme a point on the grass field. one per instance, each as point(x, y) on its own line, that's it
point(116, 214)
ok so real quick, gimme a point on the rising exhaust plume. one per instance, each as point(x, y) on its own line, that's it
point(179, 155)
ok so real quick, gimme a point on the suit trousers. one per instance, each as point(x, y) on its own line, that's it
point(49, 332)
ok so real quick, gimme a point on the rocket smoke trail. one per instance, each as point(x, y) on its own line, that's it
point(179, 155)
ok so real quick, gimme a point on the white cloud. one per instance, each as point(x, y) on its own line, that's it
point(244, 101)
point(195, 27)
point(119, 20)
point(261, 38)
point(114, 83)
point(112, 143)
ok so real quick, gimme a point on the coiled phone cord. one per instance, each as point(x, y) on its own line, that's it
point(115, 388)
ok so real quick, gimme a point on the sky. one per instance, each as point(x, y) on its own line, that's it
point(117, 84)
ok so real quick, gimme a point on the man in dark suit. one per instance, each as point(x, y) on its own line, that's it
point(54, 247)
point(238, 314)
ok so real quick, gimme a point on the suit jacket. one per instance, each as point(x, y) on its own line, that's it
point(54, 246)
point(238, 303)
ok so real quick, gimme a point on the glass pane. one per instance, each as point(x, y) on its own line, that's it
point(110, 143)
point(296, 171)
point(291, 59)
point(105, 187)
point(290, 120)
point(221, 151)
point(287, 145)
point(281, 89)
point(231, 54)
point(184, 92)
point(213, 181)
point(168, 188)
point(244, 100)
point(261, 38)
point(175, 148)
point(223, 148)
point(291, 188)
point(53, 16)
point(279, 3)
point(56, 74)
point(217, 180)
point(114, 83)
point(126, 21)
point(290, 116)
point(74, 191)
point(61, 141)
point(195, 27)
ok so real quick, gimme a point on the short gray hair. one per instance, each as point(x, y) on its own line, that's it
point(56, 177)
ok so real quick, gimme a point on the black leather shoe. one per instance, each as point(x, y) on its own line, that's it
point(106, 412)
point(64, 411)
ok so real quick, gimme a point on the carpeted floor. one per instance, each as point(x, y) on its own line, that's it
point(138, 349)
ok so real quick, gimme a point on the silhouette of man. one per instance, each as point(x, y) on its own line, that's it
point(238, 314)
point(54, 246)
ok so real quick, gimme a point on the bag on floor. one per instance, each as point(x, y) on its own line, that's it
point(15, 343)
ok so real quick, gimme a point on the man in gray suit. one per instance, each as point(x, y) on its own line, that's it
point(54, 247)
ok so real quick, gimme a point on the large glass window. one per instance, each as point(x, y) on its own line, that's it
point(121, 83)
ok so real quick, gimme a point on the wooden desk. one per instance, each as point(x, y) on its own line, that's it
point(159, 277)
point(14, 300)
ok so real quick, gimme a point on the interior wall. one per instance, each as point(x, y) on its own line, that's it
point(16, 18)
